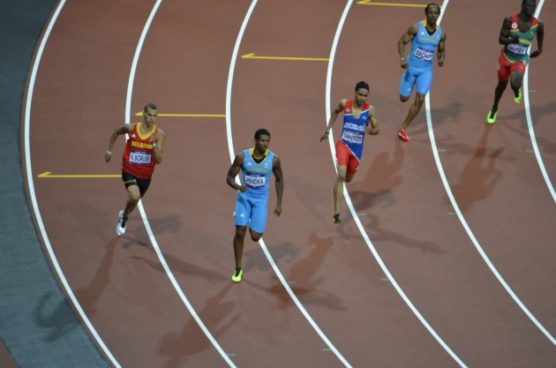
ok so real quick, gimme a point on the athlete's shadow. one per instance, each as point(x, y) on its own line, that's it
point(381, 177)
point(54, 316)
point(479, 176)
point(537, 113)
point(303, 272)
point(89, 295)
point(217, 317)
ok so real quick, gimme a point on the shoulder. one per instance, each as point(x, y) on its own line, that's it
point(276, 160)
point(343, 102)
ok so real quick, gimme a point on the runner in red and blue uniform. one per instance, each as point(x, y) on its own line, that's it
point(517, 34)
point(349, 148)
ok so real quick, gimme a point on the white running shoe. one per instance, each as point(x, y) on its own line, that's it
point(120, 226)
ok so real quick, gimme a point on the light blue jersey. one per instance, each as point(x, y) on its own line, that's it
point(423, 46)
point(251, 205)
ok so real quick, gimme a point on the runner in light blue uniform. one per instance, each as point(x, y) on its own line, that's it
point(426, 39)
point(256, 166)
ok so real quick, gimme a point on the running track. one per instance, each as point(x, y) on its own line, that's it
point(185, 66)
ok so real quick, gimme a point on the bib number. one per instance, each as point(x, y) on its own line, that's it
point(424, 55)
point(255, 181)
point(517, 48)
point(352, 137)
point(140, 158)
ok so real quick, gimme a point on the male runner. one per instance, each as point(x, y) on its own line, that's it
point(426, 38)
point(349, 148)
point(517, 34)
point(256, 164)
point(144, 149)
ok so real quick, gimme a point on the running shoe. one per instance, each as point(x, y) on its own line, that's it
point(402, 134)
point(337, 219)
point(238, 274)
point(122, 221)
point(491, 118)
point(517, 99)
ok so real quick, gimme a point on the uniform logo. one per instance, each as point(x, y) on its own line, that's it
point(514, 25)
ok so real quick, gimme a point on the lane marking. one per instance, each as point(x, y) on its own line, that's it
point(185, 115)
point(252, 56)
point(532, 135)
point(231, 153)
point(33, 196)
point(398, 5)
point(49, 175)
point(347, 197)
point(468, 230)
point(148, 228)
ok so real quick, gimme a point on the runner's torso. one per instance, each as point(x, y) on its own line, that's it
point(353, 132)
point(526, 32)
point(138, 158)
point(256, 176)
point(423, 46)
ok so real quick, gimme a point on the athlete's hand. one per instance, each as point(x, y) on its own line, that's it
point(374, 131)
point(242, 188)
point(325, 135)
point(107, 155)
point(154, 138)
point(278, 210)
point(403, 63)
point(534, 54)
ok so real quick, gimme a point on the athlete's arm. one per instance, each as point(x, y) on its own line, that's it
point(372, 127)
point(540, 40)
point(506, 37)
point(406, 38)
point(333, 117)
point(124, 129)
point(279, 182)
point(234, 171)
point(441, 53)
point(158, 143)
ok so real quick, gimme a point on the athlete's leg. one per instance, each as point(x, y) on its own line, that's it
point(239, 238)
point(258, 218)
point(255, 236)
point(407, 82)
point(413, 110)
point(503, 75)
point(242, 215)
point(134, 195)
point(338, 189)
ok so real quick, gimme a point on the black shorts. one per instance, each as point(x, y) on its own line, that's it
point(130, 180)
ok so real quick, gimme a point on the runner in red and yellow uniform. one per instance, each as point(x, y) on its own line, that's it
point(517, 34)
point(144, 149)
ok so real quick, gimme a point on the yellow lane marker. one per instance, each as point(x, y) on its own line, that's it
point(252, 56)
point(186, 115)
point(399, 5)
point(49, 175)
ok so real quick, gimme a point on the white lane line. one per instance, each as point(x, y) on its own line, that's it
point(352, 209)
point(33, 197)
point(161, 258)
point(231, 152)
point(525, 89)
point(466, 226)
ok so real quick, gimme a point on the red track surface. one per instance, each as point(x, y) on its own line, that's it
point(80, 98)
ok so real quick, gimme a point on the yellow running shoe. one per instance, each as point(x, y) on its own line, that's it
point(491, 118)
point(238, 274)
point(517, 99)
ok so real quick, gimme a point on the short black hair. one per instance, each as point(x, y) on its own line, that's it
point(362, 84)
point(429, 5)
point(260, 132)
point(151, 106)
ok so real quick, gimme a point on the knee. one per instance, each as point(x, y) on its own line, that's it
point(341, 176)
point(348, 178)
point(135, 197)
point(240, 232)
point(404, 98)
point(419, 99)
point(255, 236)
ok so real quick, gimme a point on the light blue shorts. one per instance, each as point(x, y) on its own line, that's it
point(420, 78)
point(251, 211)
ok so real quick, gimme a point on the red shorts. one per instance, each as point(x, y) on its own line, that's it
point(345, 157)
point(506, 68)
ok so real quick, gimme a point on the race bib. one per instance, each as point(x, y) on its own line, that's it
point(423, 54)
point(352, 137)
point(518, 49)
point(140, 158)
point(254, 181)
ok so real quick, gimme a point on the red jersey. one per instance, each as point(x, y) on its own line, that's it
point(139, 159)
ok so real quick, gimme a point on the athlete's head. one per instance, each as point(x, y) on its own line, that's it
point(262, 140)
point(150, 112)
point(432, 12)
point(528, 7)
point(361, 92)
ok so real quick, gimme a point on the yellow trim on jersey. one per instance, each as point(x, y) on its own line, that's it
point(145, 136)
point(251, 150)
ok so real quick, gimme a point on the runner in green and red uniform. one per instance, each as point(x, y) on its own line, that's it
point(144, 149)
point(517, 34)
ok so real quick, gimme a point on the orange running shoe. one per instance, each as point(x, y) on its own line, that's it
point(402, 134)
